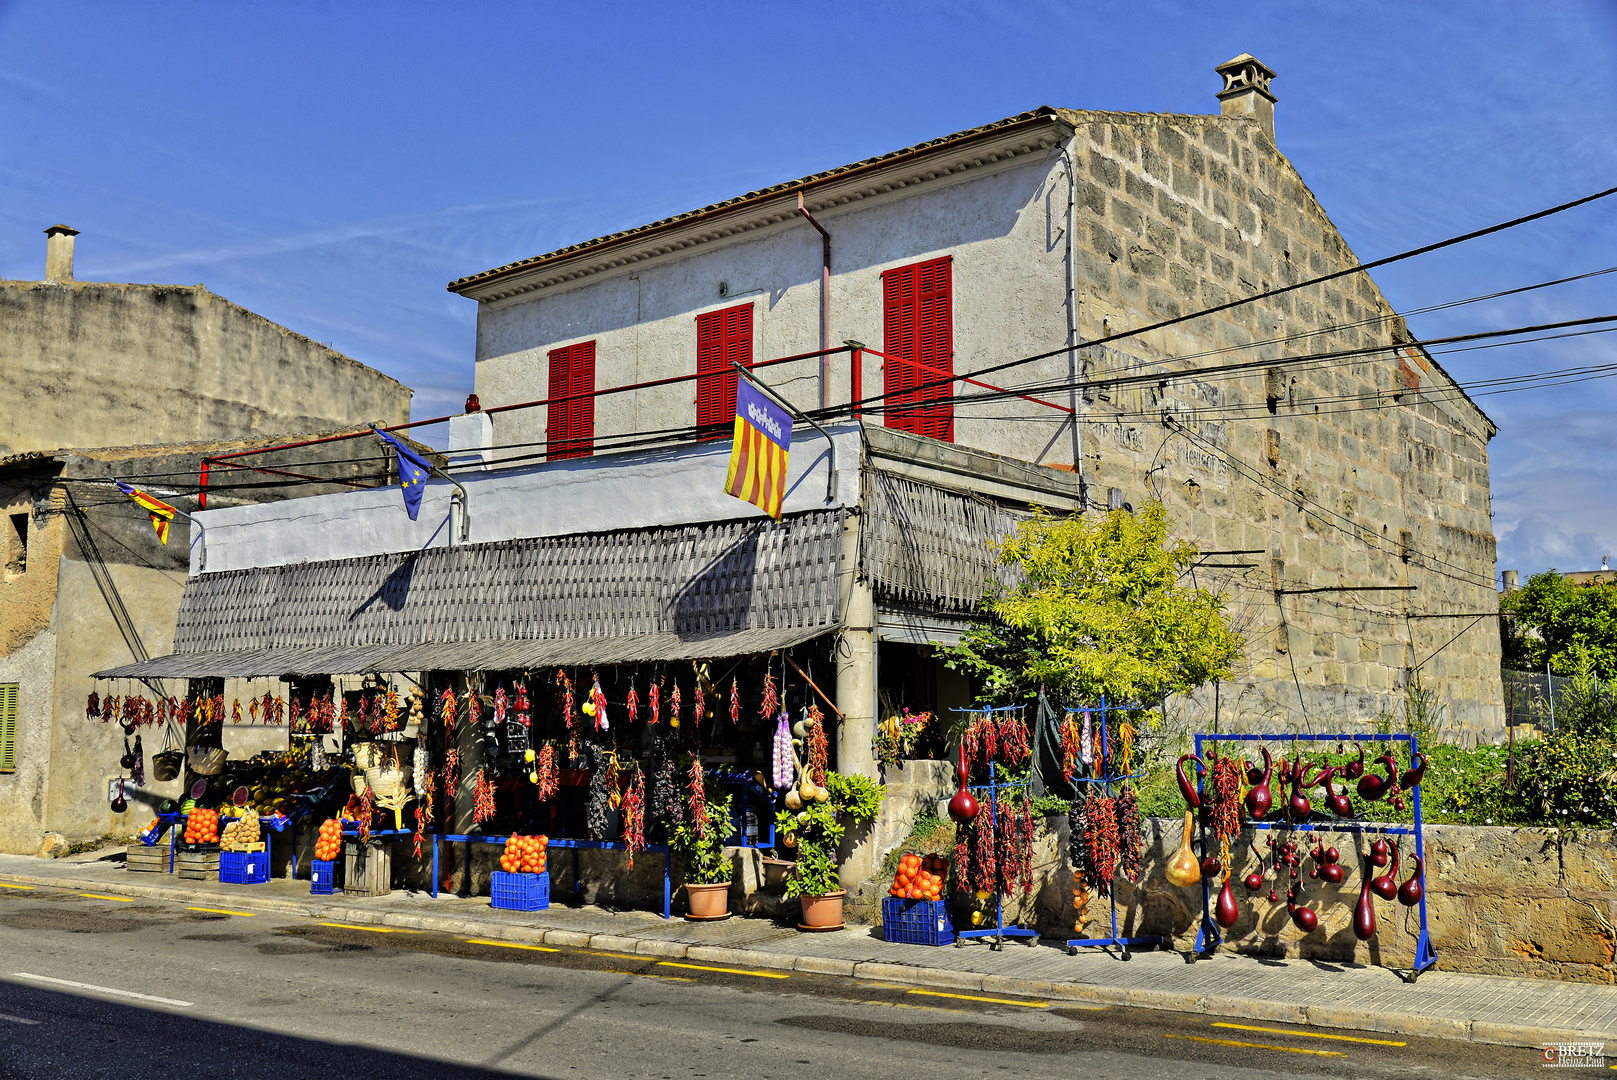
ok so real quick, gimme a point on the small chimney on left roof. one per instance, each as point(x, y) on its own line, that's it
point(59, 253)
point(1246, 91)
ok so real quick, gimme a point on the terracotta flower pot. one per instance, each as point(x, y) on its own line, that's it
point(821, 912)
point(708, 901)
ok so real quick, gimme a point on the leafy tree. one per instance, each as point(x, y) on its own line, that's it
point(1565, 625)
point(1102, 610)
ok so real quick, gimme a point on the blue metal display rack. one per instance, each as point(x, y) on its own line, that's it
point(1209, 937)
point(1106, 779)
point(1000, 931)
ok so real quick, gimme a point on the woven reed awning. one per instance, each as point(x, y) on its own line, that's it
point(691, 593)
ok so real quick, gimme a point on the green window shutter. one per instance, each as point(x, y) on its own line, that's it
point(8, 727)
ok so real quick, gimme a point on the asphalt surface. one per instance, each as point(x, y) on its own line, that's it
point(93, 987)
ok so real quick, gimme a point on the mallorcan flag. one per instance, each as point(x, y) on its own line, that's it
point(763, 439)
point(162, 513)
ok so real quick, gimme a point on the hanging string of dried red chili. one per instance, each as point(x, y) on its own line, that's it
point(1100, 841)
point(1006, 855)
point(654, 695)
point(771, 702)
point(1130, 836)
point(446, 710)
point(697, 790)
point(482, 798)
point(1012, 739)
point(816, 747)
point(634, 816)
point(982, 853)
point(567, 716)
point(673, 707)
point(632, 705)
point(451, 775)
point(735, 701)
point(547, 773)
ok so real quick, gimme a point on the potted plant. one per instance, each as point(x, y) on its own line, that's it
point(815, 831)
point(707, 869)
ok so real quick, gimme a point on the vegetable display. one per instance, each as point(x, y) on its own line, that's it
point(202, 827)
point(329, 844)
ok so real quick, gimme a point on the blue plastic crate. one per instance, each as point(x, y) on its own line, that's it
point(916, 922)
point(244, 867)
point(322, 877)
point(520, 892)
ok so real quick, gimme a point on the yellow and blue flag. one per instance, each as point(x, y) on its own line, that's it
point(763, 439)
point(413, 472)
point(162, 513)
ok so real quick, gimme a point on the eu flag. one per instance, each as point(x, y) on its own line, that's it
point(763, 439)
point(413, 472)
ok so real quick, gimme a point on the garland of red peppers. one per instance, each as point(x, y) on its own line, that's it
point(993, 853)
point(1237, 791)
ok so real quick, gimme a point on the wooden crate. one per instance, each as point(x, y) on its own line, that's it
point(367, 868)
point(197, 865)
point(140, 859)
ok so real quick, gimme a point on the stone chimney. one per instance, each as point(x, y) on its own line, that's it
point(1246, 91)
point(59, 253)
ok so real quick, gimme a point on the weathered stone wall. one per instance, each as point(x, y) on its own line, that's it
point(1524, 902)
point(99, 364)
point(1366, 476)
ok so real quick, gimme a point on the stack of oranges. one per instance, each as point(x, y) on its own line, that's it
point(202, 826)
point(524, 854)
point(919, 878)
point(329, 845)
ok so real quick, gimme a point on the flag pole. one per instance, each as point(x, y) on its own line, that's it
point(831, 478)
point(465, 506)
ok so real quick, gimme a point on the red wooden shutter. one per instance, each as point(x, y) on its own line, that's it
point(918, 325)
point(722, 338)
point(570, 425)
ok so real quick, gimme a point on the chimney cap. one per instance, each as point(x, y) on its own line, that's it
point(1243, 73)
point(62, 230)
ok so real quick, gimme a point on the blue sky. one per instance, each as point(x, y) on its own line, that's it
point(332, 166)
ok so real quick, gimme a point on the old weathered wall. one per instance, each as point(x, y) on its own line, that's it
point(1363, 478)
point(98, 364)
point(994, 221)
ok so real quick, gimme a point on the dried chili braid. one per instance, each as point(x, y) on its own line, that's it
point(654, 699)
point(1225, 784)
point(632, 705)
point(1027, 847)
point(1100, 837)
point(420, 832)
point(1071, 746)
point(816, 747)
point(567, 717)
point(674, 707)
point(549, 776)
point(446, 712)
point(735, 701)
point(982, 854)
point(771, 702)
point(92, 710)
point(961, 867)
point(1130, 838)
point(1007, 858)
point(1012, 738)
point(452, 775)
point(366, 809)
point(697, 790)
point(634, 816)
point(482, 798)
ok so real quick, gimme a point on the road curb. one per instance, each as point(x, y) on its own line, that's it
point(1382, 1022)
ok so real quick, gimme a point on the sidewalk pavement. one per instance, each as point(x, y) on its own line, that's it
point(1478, 1008)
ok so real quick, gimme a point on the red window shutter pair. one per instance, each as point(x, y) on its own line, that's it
point(918, 325)
point(570, 425)
point(723, 338)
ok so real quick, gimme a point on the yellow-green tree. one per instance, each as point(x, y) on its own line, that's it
point(1103, 608)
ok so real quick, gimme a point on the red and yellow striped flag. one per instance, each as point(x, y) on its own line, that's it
point(763, 441)
point(162, 513)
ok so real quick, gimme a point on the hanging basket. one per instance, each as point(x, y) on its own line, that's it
point(166, 765)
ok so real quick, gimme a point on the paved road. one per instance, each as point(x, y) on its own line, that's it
point(93, 987)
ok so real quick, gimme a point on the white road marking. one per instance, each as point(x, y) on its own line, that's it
point(16, 1019)
point(102, 989)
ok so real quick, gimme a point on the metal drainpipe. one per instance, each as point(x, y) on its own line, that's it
point(1072, 322)
point(825, 302)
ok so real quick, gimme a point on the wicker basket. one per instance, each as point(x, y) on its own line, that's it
point(368, 755)
point(389, 783)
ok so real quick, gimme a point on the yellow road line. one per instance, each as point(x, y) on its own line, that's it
point(912, 1005)
point(648, 975)
point(509, 945)
point(98, 896)
point(1259, 1046)
point(991, 1001)
point(222, 911)
point(1311, 1035)
point(616, 955)
point(372, 929)
point(4, 885)
point(725, 971)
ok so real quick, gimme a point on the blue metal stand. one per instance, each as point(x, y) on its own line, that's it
point(1000, 931)
point(1208, 936)
point(1106, 779)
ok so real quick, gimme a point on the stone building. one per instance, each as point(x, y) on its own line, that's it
point(91, 363)
point(1337, 476)
point(151, 379)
